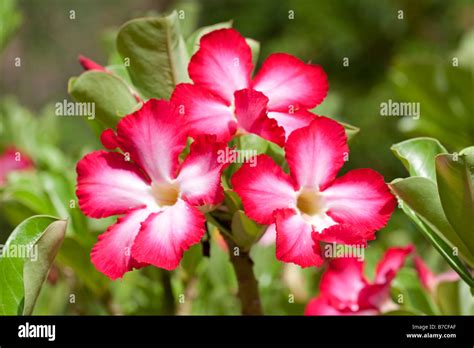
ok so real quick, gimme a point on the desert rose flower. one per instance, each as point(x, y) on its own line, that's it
point(428, 279)
point(311, 205)
point(157, 197)
point(224, 99)
point(13, 160)
point(344, 290)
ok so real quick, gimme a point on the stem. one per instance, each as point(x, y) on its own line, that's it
point(248, 285)
point(169, 305)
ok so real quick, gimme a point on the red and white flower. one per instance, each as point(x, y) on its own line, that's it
point(13, 160)
point(224, 99)
point(344, 289)
point(157, 197)
point(311, 205)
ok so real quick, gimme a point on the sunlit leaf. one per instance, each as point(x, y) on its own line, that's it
point(155, 54)
point(457, 195)
point(417, 155)
point(21, 276)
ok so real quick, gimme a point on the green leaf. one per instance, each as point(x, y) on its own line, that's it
point(457, 195)
point(21, 276)
point(110, 94)
point(156, 52)
point(245, 231)
point(417, 155)
point(420, 194)
point(192, 42)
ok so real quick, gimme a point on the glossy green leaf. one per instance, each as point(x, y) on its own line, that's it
point(156, 53)
point(457, 195)
point(22, 275)
point(420, 194)
point(110, 94)
point(417, 155)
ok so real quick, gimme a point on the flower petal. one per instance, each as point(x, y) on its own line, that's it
point(342, 282)
point(263, 189)
point(165, 235)
point(360, 198)
point(108, 138)
point(222, 64)
point(344, 234)
point(289, 82)
point(154, 136)
point(291, 121)
point(111, 255)
point(427, 278)
point(251, 112)
point(316, 153)
point(109, 185)
point(391, 263)
point(293, 240)
point(200, 174)
point(269, 236)
point(204, 112)
point(321, 306)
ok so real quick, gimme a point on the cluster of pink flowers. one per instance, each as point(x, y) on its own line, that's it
point(161, 198)
point(344, 289)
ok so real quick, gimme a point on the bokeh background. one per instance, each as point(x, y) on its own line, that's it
point(407, 59)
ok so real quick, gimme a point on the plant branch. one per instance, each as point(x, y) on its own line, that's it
point(248, 285)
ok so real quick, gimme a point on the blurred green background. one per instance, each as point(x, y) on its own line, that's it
point(423, 54)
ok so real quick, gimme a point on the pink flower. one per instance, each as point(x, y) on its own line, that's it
point(157, 196)
point(344, 290)
point(13, 160)
point(310, 204)
point(429, 280)
point(224, 99)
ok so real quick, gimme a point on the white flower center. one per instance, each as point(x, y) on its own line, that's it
point(310, 202)
point(165, 193)
point(312, 207)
